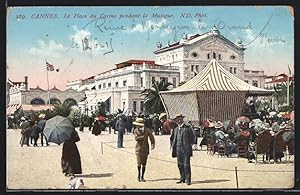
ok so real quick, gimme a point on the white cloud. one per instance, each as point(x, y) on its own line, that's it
point(50, 48)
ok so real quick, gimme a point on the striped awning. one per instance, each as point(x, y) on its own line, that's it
point(214, 77)
point(12, 108)
point(214, 92)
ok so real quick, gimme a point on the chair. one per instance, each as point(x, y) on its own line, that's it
point(279, 145)
point(261, 145)
point(221, 150)
point(242, 148)
point(210, 146)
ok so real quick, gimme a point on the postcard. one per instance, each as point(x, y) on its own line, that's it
point(108, 98)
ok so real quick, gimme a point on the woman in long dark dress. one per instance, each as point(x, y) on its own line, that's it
point(70, 160)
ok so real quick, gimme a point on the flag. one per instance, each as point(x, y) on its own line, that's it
point(50, 67)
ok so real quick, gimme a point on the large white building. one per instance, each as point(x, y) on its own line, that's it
point(121, 87)
point(178, 62)
point(191, 54)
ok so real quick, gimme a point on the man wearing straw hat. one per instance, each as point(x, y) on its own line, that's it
point(142, 133)
point(182, 140)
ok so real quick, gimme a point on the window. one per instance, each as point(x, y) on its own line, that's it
point(194, 54)
point(246, 81)
point(124, 83)
point(197, 68)
point(255, 83)
point(192, 68)
point(230, 69)
point(104, 85)
point(141, 81)
point(134, 106)
point(219, 56)
point(117, 84)
point(123, 105)
point(142, 106)
point(214, 55)
point(232, 57)
point(174, 82)
point(208, 56)
point(99, 86)
point(234, 70)
point(164, 79)
point(153, 80)
point(109, 85)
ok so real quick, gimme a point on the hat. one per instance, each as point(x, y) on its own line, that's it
point(178, 116)
point(162, 115)
point(23, 118)
point(267, 126)
point(139, 122)
point(218, 125)
point(211, 124)
point(282, 126)
point(42, 115)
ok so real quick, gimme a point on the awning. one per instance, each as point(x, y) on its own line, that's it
point(101, 97)
point(27, 107)
point(12, 108)
point(30, 107)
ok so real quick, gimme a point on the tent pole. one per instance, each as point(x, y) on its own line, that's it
point(163, 102)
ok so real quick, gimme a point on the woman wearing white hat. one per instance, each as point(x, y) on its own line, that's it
point(142, 133)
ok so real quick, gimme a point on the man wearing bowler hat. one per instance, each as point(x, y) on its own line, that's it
point(182, 140)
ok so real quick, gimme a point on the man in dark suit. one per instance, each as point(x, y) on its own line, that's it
point(182, 140)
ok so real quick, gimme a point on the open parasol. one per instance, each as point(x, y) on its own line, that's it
point(58, 129)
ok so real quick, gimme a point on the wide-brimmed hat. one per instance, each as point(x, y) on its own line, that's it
point(211, 124)
point(139, 122)
point(219, 125)
point(42, 116)
point(162, 115)
point(178, 116)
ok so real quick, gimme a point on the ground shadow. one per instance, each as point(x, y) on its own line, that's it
point(210, 181)
point(163, 179)
point(95, 175)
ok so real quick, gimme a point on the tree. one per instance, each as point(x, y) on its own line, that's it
point(152, 101)
point(281, 96)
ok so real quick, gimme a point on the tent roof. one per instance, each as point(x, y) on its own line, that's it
point(214, 77)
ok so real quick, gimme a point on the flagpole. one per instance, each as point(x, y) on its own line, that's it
point(288, 88)
point(48, 87)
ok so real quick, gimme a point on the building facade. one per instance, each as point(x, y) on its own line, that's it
point(192, 54)
point(121, 87)
point(255, 78)
point(273, 81)
point(20, 95)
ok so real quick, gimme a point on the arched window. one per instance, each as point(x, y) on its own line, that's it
point(54, 101)
point(208, 56)
point(219, 56)
point(214, 55)
point(69, 102)
point(37, 101)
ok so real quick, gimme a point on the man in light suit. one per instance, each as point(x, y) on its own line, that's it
point(182, 140)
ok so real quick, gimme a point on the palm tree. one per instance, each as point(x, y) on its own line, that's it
point(152, 101)
point(281, 95)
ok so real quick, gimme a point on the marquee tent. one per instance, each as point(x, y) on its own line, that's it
point(214, 92)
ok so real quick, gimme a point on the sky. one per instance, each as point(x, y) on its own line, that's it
point(85, 41)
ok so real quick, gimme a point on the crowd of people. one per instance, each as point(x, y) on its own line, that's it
point(32, 130)
point(228, 135)
point(183, 137)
